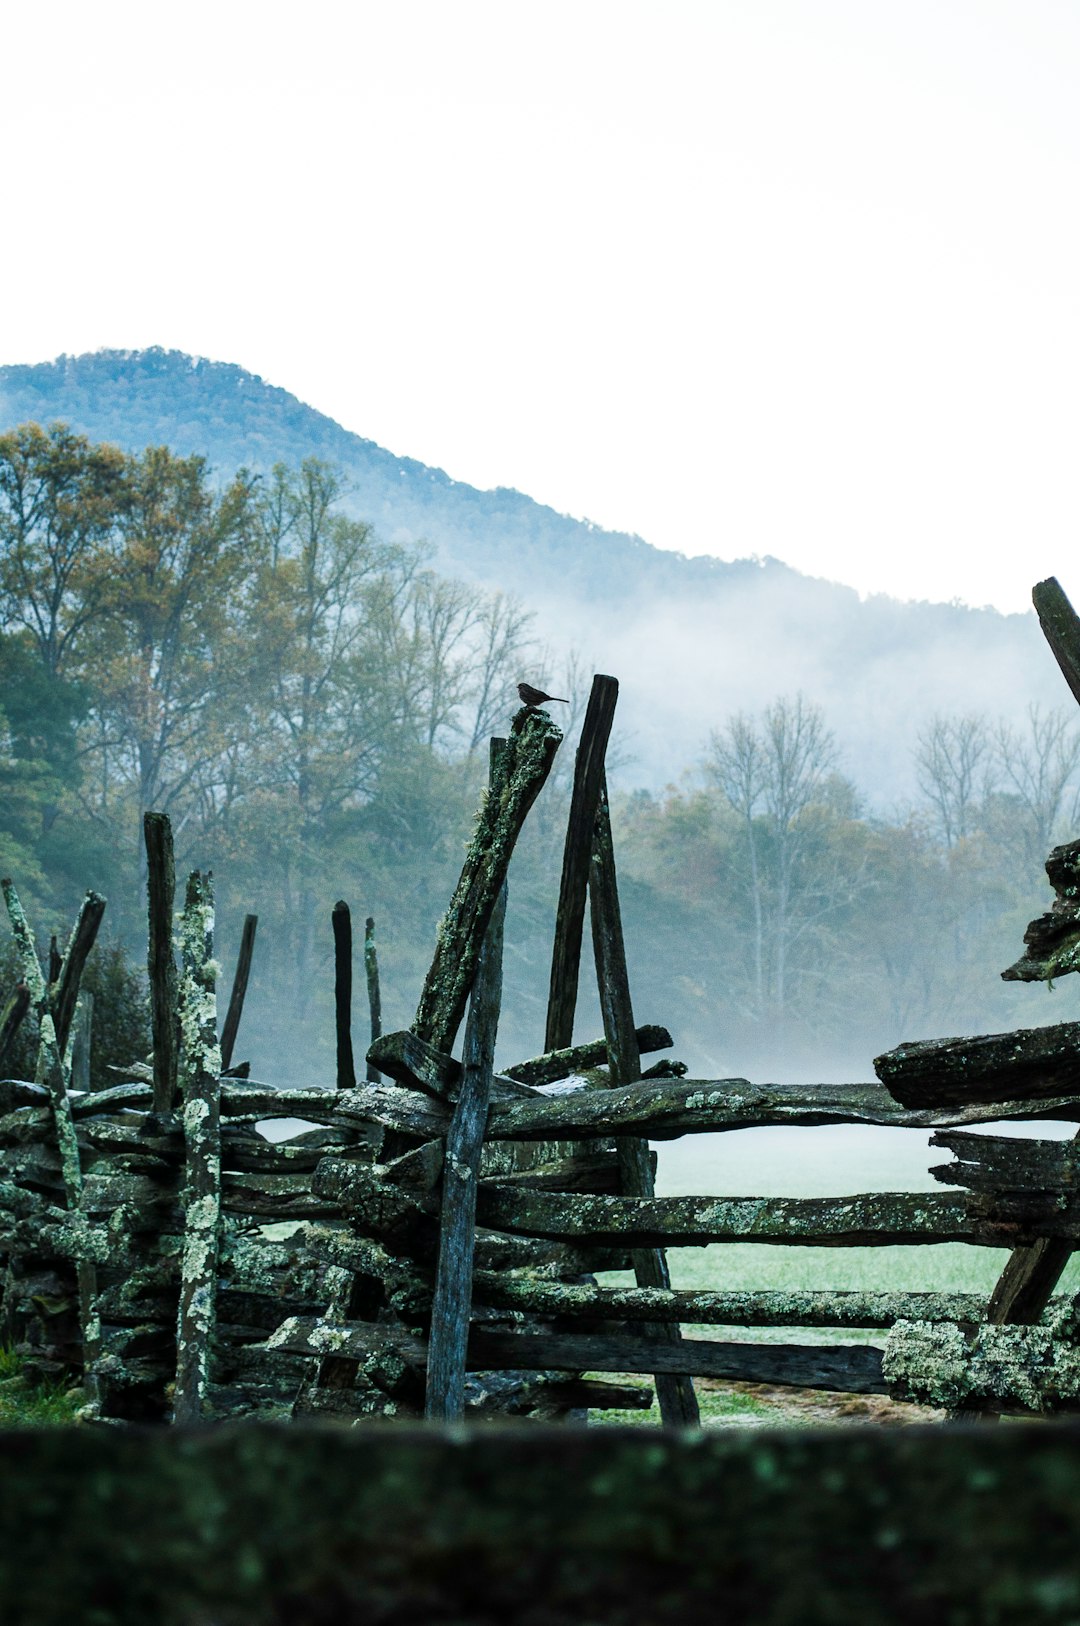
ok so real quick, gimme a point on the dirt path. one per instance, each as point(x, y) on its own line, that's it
point(823, 1406)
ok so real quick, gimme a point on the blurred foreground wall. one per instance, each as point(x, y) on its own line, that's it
point(538, 1526)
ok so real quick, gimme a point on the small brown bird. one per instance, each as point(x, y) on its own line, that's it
point(536, 697)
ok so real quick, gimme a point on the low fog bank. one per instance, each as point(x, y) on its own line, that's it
point(879, 670)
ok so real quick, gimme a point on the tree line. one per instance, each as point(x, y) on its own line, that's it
point(800, 922)
point(308, 702)
point(305, 700)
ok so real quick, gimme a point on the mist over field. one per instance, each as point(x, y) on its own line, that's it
point(340, 753)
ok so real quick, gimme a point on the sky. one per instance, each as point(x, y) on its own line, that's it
point(777, 277)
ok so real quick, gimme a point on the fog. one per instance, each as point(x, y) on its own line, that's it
point(878, 668)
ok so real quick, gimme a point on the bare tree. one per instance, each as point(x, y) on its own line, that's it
point(1037, 769)
point(502, 646)
point(955, 766)
point(772, 773)
point(737, 766)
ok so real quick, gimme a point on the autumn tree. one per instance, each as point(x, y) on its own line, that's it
point(61, 498)
point(166, 664)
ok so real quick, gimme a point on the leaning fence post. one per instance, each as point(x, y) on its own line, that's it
point(202, 1145)
point(452, 1304)
point(522, 769)
point(678, 1402)
point(231, 1025)
point(570, 918)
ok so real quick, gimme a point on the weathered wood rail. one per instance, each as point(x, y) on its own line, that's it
point(439, 1226)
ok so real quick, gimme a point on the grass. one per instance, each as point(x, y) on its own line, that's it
point(821, 1163)
point(719, 1409)
point(769, 1162)
point(25, 1403)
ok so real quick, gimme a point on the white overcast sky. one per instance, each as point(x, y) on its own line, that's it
point(789, 277)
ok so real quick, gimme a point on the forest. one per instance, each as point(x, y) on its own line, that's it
point(310, 704)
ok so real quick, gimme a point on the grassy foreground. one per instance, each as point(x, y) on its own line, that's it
point(25, 1404)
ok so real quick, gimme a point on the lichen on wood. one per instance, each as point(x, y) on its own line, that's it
point(200, 1069)
point(1010, 1368)
point(881, 1219)
point(1028, 1064)
point(554, 1065)
point(516, 783)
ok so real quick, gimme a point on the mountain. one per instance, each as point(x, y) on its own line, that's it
point(690, 639)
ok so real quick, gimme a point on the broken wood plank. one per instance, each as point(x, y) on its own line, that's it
point(411, 1061)
point(573, 883)
point(1009, 1164)
point(559, 1064)
point(1052, 940)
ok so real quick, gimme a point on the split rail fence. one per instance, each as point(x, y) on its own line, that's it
point(430, 1244)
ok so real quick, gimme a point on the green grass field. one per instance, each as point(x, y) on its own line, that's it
point(821, 1163)
point(826, 1162)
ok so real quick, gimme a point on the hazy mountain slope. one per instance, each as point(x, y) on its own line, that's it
point(690, 639)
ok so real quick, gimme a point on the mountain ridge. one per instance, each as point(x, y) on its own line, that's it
point(693, 638)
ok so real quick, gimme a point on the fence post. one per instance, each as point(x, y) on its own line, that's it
point(239, 989)
point(160, 963)
point(55, 1011)
point(371, 971)
point(522, 769)
point(202, 1145)
point(678, 1402)
point(573, 885)
point(341, 920)
point(452, 1305)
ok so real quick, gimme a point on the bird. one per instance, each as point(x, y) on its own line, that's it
point(536, 697)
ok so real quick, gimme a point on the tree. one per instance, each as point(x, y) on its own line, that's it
point(166, 666)
point(1037, 771)
point(954, 762)
point(775, 773)
point(60, 500)
point(501, 647)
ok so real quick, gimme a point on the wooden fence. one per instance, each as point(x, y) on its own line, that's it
point(430, 1244)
